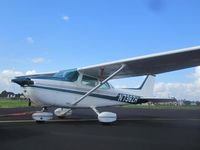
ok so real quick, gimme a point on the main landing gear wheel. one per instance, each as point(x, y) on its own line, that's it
point(105, 117)
point(62, 112)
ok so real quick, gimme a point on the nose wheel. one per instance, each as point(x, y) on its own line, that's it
point(43, 115)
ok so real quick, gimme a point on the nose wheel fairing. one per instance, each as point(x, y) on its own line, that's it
point(42, 116)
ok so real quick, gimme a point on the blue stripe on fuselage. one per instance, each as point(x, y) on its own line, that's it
point(77, 92)
point(115, 98)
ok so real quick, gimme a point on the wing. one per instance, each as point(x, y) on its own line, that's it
point(37, 74)
point(147, 65)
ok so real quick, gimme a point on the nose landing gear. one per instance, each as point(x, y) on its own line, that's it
point(42, 116)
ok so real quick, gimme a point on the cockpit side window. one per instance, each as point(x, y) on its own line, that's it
point(71, 76)
point(89, 81)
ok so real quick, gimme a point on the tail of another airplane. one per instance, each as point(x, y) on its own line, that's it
point(146, 88)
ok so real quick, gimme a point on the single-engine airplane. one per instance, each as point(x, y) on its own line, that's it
point(88, 87)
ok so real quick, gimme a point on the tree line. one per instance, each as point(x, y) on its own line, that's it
point(6, 94)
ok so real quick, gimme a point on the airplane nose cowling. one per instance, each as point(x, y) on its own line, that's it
point(23, 81)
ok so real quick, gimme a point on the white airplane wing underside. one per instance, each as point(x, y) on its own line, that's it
point(38, 74)
point(147, 65)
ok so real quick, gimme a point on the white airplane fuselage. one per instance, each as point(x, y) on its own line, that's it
point(64, 94)
point(59, 93)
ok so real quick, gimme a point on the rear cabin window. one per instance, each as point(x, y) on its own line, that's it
point(105, 86)
point(89, 81)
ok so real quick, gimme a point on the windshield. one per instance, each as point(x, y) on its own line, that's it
point(67, 75)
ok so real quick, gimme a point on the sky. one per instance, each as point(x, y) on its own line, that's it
point(43, 36)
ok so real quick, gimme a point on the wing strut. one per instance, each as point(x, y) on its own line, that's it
point(100, 84)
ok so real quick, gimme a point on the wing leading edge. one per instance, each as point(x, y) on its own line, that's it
point(147, 65)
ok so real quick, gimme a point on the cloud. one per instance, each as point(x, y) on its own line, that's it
point(65, 18)
point(30, 72)
point(7, 75)
point(190, 91)
point(29, 40)
point(38, 60)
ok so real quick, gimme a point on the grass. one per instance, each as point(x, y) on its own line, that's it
point(163, 107)
point(8, 103)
